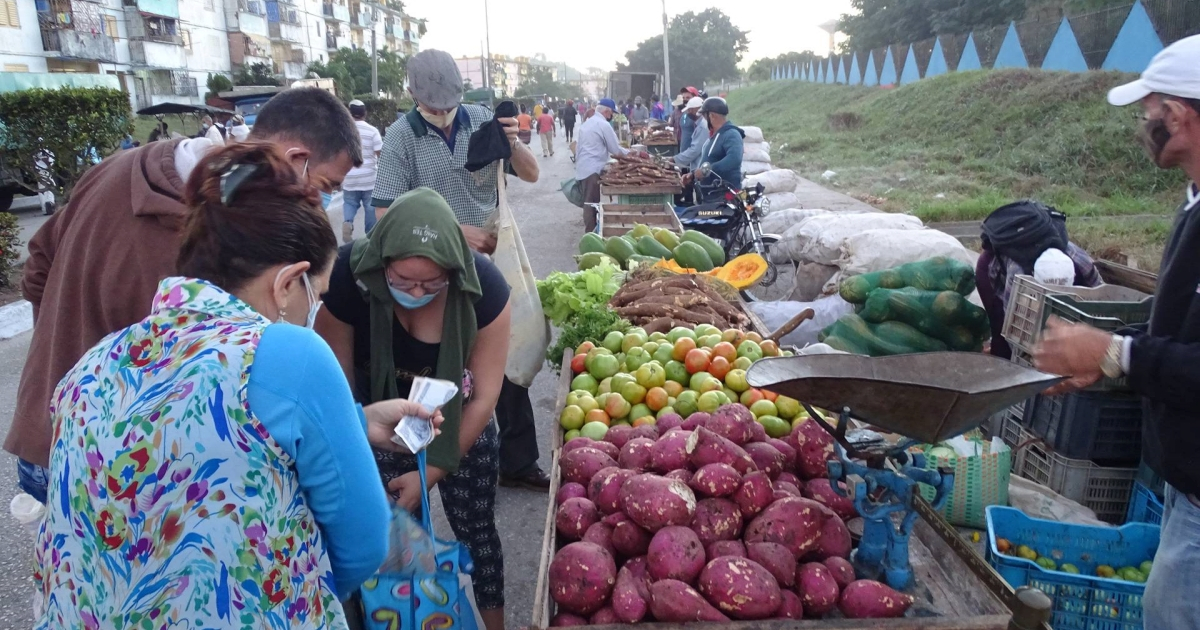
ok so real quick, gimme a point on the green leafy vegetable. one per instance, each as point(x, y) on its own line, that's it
point(565, 295)
point(591, 325)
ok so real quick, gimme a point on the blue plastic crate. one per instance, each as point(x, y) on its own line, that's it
point(1081, 602)
point(1144, 507)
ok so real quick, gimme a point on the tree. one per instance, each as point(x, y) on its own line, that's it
point(879, 23)
point(218, 83)
point(351, 71)
point(761, 69)
point(255, 74)
point(705, 46)
point(539, 80)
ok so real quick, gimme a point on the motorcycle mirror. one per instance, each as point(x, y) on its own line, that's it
point(759, 188)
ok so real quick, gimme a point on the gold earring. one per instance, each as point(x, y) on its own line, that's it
point(282, 314)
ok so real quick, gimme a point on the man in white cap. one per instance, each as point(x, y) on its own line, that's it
point(689, 159)
point(359, 185)
point(1162, 358)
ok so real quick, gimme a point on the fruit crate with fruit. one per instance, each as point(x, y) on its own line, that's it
point(1095, 575)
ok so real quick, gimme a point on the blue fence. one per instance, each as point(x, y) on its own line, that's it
point(1122, 38)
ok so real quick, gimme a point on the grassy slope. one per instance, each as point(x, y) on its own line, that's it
point(981, 139)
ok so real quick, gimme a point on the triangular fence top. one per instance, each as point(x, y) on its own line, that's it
point(937, 61)
point(910, 74)
point(888, 75)
point(970, 56)
point(872, 75)
point(1011, 55)
point(855, 72)
point(1136, 43)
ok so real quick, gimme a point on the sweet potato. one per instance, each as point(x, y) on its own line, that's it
point(786, 489)
point(740, 588)
point(716, 480)
point(604, 617)
point(682, 474)
point(574, 517)
point(788, 452)
point(720, 548)
point(697, 419)
point(732, 422)
point(635, 455)
point(570, 490)
point(790, 606)
point(754, 495)
point(654, 502)
point(648, 431)
point(817, 589)
point(766, 458)
point(821, 490)
point(581, 464)
point(600, 534)
point(637, 567)
point(758, 434)
point(567, 620)
point(612, 519)
point(675, 554)
point(842, 570)
point(835, 539)
point(582, 576)
point(608, 448)
point(667, 422)
point(670, 452)
point(627, 601)
point(674, 601)
point(814, 447)
point(618, 435)
point(705, 447)
point(629, 539)
point(775, 558)
point(578, 442)
point(868, 599)
point(605, 488)
point(717, 519)
point(792, 522)
point(787, 477)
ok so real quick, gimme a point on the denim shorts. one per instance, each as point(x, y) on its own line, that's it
point(33, 479)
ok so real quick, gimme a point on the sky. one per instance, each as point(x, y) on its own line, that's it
point(597, 34)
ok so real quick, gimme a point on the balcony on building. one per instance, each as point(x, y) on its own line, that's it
point(154, 40)
point(283, 23)
point(250, 18)
point(162, 8)
point(245, 49)
point(336, 41)
point(84, 35)
point(165, 86)
point(289, 62)
point(335, 11)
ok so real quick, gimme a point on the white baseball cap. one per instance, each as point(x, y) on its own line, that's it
point(1175, 71)
point(695, 103)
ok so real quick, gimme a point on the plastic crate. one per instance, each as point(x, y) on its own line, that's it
point(1012, 432)
point(1144, 507)
point(1147, 477)
point(1108, 316)
point(1105, 490)
point(646, 200)
point(1100, 426)
point(1081, 601)
point(1024, 314)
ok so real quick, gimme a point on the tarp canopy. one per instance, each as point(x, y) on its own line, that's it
point(181, 108)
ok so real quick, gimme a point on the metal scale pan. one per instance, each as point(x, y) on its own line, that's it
point(928, 397)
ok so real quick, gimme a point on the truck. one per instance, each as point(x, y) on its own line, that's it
point(624, 86)
point(248, 99)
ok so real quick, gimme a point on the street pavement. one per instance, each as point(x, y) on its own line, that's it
point(550, 228)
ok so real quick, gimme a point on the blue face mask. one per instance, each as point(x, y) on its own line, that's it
point(326, 199)
point(409, 302)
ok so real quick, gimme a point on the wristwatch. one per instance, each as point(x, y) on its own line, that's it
point(1111, 363)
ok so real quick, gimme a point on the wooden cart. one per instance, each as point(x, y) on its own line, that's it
point(657, 194)
point(950, 591)
point(617, 219)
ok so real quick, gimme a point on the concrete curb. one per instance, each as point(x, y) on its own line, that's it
point(15, 318)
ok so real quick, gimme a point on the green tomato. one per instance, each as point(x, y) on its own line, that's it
point(750, 350)
point(679, 332)
point(584, 382)
point(570, 435)
point(1069, 568)
point(698, 380)
point(651, 375)
point(604, 366)
point(612, 342)
point(1046, 563)
point(594, 430)
point(636, 358)
point(640, 410)
point(658, 336)
point(664, 353)
point(775, 426)
point(664, 411)
point(677, 372)
point(685, 403)
point(709, 401)
point(632, 340)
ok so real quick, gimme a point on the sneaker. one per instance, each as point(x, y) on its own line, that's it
point(537, 480)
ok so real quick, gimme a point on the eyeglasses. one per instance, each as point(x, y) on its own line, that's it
point(428, 286)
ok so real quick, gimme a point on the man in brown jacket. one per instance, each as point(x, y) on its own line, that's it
point(93, 268)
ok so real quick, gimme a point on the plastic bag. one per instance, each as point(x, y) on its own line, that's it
point(754, 168)
point(825, 312)
point(822, 236)
point(1039, 501)
point(982, 472)
point(30, 513)
point(775, 181)
point(753, 134)
point(573, 191)
point(529, 334)
point(879, 249)
point(782, 201)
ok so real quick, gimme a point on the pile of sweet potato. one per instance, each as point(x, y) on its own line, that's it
point(660, 304)
point(705, 519)
point(634, 170)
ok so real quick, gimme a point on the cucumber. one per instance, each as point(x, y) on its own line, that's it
point(715, 253)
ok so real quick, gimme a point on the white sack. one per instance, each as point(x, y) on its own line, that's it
point(782, 201)
point(781, 221)
point(753, 134)
point(821, 237)
point(879, 249)
point(755, 168)
point(776, 181)
point(826, 311)
point(753, 153)
point(766, 146)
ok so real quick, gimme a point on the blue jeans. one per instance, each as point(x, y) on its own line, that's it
point(351, 200)
point(1170, 600)
point(33, 479)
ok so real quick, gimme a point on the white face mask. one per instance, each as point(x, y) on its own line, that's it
point(314, 301)
point(441, 121)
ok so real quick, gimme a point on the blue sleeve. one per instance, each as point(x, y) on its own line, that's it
point(732, 160)
point(299, 393)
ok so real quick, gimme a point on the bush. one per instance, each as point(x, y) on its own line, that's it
point(10, 241)
point(66, 131)
point(381, 112)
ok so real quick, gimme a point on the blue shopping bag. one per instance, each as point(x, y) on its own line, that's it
point(422, 597)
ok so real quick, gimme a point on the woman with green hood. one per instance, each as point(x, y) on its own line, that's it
point(412, 299)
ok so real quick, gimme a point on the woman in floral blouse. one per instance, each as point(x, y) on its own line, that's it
point(210, 468)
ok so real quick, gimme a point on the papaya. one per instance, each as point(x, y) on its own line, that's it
point(715, 252)
point(647, 246)
point(592, 259)
point(743, 271)
point(591, 242)
point(640, 230)
point(878, 340)
point(693, 256)
point(668, 238)
point(619, 248)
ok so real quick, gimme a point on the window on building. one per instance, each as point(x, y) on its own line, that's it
point(16, 67)
point(8, 14)
point(110, 26)
point(187, 40)
point(161, 28)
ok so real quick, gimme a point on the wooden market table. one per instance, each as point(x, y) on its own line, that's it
point(638, 195)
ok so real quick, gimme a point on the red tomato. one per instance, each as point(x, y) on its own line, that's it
point(696, 360)
point(719, 367)
point(726, 350)
point(577, 362)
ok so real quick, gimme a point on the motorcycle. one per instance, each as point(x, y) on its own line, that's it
point(734, 221)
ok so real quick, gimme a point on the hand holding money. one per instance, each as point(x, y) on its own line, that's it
point(382, 418)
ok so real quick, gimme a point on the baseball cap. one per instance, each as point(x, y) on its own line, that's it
point(695, 103)
point(1174, 71)
point(356, 103)
point(434, 79)
point(609, 103)
point(692, 91)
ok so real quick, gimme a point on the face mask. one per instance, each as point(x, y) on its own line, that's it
point(441, 121)
point(326, 199)
point(693, 116)
point(1154, 137)
point(314, 301)
point(409, 302)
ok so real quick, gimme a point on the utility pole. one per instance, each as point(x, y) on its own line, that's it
point(666, 87)
point(374, 63)
point(487, 33)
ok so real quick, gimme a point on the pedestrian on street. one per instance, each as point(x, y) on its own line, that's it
point(245, 396)
point(569, 116)
point(524, 126)
point(656, 110)
point(1160, 358)
point(359, 184)
point(214, 133)
point(597, 143)
point(690, 158)
point(545, 124)
point(431, 307)
point(96, 264)
point(428, 147)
